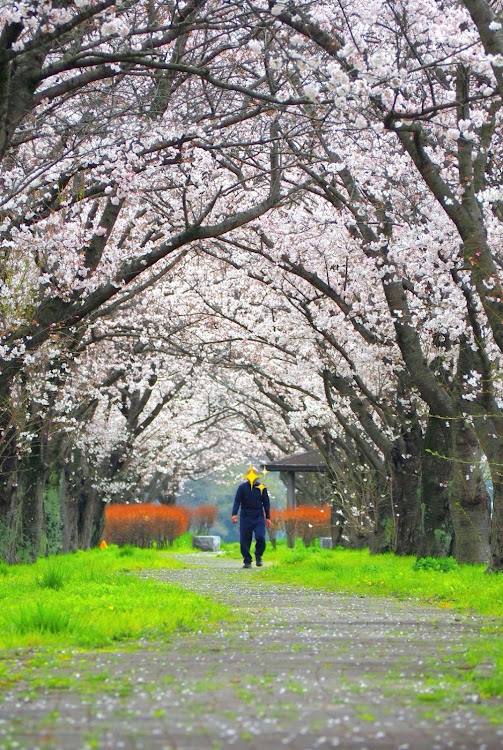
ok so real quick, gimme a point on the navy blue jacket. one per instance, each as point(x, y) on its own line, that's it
point(252, 501)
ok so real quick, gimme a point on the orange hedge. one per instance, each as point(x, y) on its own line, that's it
point(202, 518)
point(144, 525)
point(306, 521)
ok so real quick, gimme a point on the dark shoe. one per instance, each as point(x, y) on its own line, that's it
point(247, 565)
point(259, 562)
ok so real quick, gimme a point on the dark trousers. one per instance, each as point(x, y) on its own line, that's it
point(248, 526)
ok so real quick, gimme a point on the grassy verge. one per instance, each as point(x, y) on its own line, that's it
point(445, 584)
point(91, 600)
point(442, 583)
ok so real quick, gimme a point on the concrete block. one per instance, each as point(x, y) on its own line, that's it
point(206, 543)
point(326, 542)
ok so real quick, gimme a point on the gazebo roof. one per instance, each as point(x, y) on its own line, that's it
point(309, 461)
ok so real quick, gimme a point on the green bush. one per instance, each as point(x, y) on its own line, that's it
point(126, 551)
point(438, 564)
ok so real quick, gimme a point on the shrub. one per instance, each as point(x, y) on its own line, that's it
point(126, 551)
point(439, 564)
point(144, 525)
point(202, 518)
point(306, 521)
point(312, 521)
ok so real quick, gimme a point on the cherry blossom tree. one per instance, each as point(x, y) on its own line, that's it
point(294, 208)
point(422, 94)
point(113, 125)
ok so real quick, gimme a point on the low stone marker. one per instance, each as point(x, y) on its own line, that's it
point(206, 543)
point(326, 542)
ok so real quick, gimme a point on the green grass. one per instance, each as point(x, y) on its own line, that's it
point(91, 599)
point(444, 584)
point(448, 585)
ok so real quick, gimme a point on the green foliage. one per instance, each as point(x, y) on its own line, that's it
point(97, 598)
point(439, 564)
point(52, 576)
point(126, 551)
point(41, 618)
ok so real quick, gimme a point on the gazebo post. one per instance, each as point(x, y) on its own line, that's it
point(290, 490)
point(300, 462)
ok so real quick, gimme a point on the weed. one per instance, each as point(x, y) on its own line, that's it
point(323, 564)
point(126, 551)
point(442, 564)
point(296, 557)
point(52, 577)
point(366, 717)
point(4, 568)
point(42, 618)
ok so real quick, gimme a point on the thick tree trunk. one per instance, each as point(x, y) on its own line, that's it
point(382, 538)
point(91, 518)
point(437, 534)
point(10, 524)
point(407, 506)
point(406, 489)
point(69, 510)
point(469, 500)
point(496, 551)
point(25, 521)
point(23, 489)
point(336, 524)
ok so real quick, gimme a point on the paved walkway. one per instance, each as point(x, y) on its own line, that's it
point(308, 671)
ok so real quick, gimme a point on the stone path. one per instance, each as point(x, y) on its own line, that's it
point(299, 669)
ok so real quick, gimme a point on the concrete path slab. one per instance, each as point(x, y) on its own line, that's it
point(300, 669)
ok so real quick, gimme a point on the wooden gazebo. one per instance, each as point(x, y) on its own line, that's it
point(298, 463)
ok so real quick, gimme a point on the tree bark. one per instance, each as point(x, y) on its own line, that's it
point(27, 542)
point(91, 518)
point(469, 499)
point(406, 498)
point(382, 538)
point(437, 534)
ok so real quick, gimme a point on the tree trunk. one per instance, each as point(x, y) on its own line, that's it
point(406, 489)
point(91, 518)
point(26, 543)
point(10, 525)
point(382, 538)
point(437, 535)
point(496, 552)
point(69, 509)
point(407, 507)
point(336, 524)
point(469, 500)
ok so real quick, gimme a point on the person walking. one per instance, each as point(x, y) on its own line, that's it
point(253, 504)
